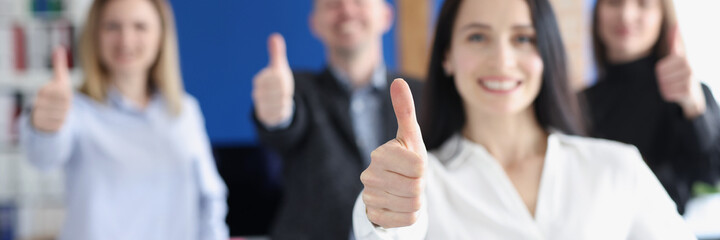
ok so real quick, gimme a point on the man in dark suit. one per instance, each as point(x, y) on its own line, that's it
point(326, 125)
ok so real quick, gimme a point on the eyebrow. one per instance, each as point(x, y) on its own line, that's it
point(524, 27)
point(486, 26)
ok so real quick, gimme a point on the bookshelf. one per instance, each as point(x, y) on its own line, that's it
point(31, 81)
point(32, 199)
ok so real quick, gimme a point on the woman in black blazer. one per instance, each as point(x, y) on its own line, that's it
point(646, 94)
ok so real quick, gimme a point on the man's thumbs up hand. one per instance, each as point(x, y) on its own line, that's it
point(274, 86)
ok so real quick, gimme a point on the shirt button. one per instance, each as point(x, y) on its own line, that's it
point(358, 106)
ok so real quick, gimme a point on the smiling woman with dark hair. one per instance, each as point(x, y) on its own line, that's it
point(507, 159)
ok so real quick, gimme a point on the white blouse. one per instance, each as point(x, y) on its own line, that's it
point(589, 189)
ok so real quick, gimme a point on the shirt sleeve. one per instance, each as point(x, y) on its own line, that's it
point(282, 125)
point(656, 217)
point(697, 146)
point(286, 139)
point(47, 151)
point(213, 199)
point(365, 230)
point(707, 125)
point(701, 135)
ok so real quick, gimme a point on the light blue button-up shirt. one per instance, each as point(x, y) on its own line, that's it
point(365, 112)
point(366, 109)
point(133, 173)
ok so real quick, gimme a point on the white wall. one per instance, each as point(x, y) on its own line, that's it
point(700, 28)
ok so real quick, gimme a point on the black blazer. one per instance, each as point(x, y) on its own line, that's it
point(321, 160)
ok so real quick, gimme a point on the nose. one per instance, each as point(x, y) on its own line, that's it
point(126, 35)
point(501, 56)
point(628, 11)
point(348, 7)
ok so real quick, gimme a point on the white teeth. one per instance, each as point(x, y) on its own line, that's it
point(493, 85)
point(509, 85)
point(499, 85)
point(348, 27)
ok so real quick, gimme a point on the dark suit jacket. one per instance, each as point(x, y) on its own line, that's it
point(321, 160)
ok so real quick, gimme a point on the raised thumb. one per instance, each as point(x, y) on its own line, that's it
point(408, 129)
point(60, 66)
point(674, 40)
point(277, 51)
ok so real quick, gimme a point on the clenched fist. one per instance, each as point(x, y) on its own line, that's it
point(54, 99)
point(675, 78)
point(273, 86)
point(394, 181)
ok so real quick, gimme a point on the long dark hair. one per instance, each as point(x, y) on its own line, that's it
point(556, 106)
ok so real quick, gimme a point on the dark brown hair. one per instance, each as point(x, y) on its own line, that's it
point(555, 107)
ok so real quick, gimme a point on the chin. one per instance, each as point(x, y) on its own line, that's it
point(349, 41)
point(505, 111)
point(125, 69)
point(499, 109)
point(627, 46)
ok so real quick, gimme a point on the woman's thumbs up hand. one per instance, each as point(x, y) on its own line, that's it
point(394, 181)
point(54, 98)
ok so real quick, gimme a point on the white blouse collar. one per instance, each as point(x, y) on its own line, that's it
point(458, 149)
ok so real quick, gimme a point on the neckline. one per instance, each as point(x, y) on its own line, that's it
point(631, 71)
point(464, 146)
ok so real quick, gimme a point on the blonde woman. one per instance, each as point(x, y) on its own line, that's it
point(132, 143)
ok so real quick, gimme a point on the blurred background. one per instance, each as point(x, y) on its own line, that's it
point(222, 45)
